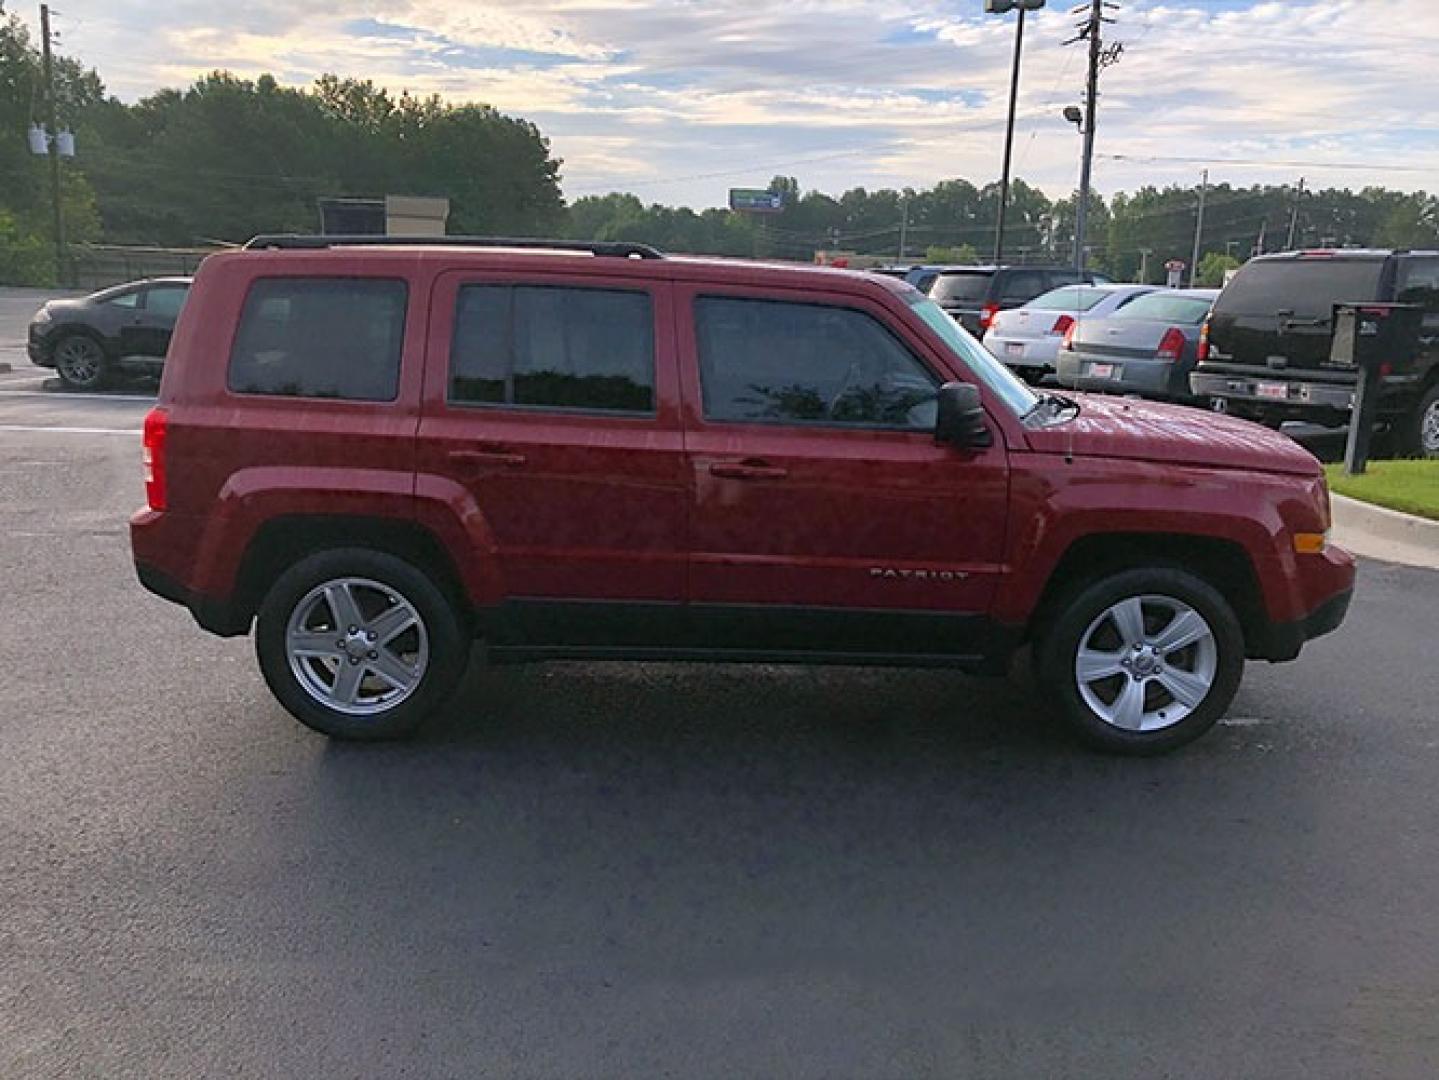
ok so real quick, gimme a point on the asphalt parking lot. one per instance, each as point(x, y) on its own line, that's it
point(669, 870)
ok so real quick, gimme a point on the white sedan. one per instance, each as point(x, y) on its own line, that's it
point(1027, 338)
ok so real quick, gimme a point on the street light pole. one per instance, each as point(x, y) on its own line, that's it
point(999, 7)
point(54, 144)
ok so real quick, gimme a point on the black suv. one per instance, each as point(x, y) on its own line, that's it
point(126, 327)
point(975, 294)
point(1266, 351)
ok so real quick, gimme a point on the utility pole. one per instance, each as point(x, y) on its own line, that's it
point(49, 72)
point(903, 226)
point(1198, 229)
point(1099, 58)
point(1144, 254)
point(1294, 216)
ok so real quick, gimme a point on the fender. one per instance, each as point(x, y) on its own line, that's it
point(1056, 502)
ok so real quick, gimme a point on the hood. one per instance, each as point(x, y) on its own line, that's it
point(1149, 431)
point(64, 305)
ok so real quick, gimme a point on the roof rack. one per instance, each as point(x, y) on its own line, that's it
point(614, 249)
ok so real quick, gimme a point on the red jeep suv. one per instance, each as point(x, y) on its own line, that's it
point(377, 451)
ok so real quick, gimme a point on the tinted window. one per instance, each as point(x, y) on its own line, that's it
point(1021, 286)
point(1307, 287)
point(128, 300)
point(1071, 298)
point(961, 287)
point(320, 337)
point(807, 363)
point(166, 301)
point(1170, 307)
point(1421, 284)
point(553, 348)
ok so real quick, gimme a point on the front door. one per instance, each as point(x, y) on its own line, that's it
point(825, 517)
point(551, 416)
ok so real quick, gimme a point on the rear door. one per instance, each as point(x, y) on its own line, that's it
point(825, 518)
point(550, 402)
point(1277, 313)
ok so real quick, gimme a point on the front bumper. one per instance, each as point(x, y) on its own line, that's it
point(1284, 640)
point(39, 348)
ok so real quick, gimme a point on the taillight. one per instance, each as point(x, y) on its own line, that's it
point(1171, 345)
point(1062, 326)
point(1201, 351)
point(152, 453)
point(987, 314)
point(1068, 342)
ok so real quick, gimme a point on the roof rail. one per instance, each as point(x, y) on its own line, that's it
point(615, 249)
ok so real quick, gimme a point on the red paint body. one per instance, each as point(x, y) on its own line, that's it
point(670, 509)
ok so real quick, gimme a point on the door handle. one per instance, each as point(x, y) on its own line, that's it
point(486, 457)
point(746, 470)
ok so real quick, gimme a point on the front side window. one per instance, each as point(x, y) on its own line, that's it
point(553, 348)
point(125, 300)
point(320, 338)
point(798, 363)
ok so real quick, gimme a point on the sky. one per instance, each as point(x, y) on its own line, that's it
point(679, 100)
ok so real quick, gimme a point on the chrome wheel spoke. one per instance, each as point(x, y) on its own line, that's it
point(393, 670)
point(1093, 666)
point(316, 643)
point(1128, 616)
point(1186, 687)
point(342, 606)
point(1127, 712)
point(1183, 630)
point(348, 676)
point(391, 623)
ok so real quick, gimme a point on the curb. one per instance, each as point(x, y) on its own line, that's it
point(1380, 533)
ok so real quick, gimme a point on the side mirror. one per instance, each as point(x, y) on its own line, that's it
point(961, 420)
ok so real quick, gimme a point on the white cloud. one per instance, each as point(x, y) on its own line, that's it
point(663, 94)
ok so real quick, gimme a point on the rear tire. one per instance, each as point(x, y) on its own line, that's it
point(1142, 661)
point(1419, 436)
point(359, 644)
point(80, 361)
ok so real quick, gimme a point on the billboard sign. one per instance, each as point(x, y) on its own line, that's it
point(756, 200)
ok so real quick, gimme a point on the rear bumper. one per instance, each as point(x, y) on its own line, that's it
point(1299, 394)
point(1155, 378)
point(1033, 353)
point(216, 616)
point(161, 544)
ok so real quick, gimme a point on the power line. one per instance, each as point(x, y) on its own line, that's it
point(1367, 166)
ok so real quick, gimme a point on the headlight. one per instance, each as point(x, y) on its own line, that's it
point(42, 316)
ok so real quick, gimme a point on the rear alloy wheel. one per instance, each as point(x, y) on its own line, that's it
point(359, 644)
point(1423, 437)
point(1145, 660)
point(80, 362)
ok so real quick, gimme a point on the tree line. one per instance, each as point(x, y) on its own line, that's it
point(227, 158)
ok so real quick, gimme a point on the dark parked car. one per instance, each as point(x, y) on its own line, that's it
point(974, 294)
point(1266, 354)
point(375, 455)
point(1147, 347)
point(127, 327)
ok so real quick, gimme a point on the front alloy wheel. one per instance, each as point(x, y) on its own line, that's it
point(1144, 660)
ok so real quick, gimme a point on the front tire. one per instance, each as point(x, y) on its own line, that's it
point(1142, 661)
point(359, 644)
point(80, 361)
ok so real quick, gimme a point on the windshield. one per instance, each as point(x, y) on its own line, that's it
point(1069, 298)
point(1182, 308)
point(975, 358)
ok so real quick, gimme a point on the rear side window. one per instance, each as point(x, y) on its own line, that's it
point(783, 362)
point(320, 338)
point(1421, 284)
point(1307, 288)
point(1021, 286)
point(553, 348)
point(960, 288)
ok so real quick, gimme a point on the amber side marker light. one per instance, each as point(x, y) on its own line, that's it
point(1309, 543)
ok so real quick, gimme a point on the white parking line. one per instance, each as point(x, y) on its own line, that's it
point(66, 395)
point(71, 430)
